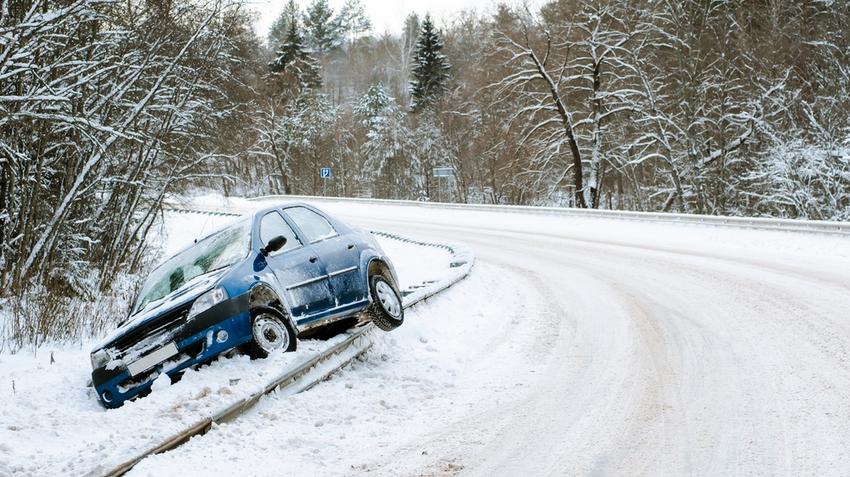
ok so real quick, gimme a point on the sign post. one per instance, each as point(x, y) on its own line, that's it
point(448, 173)
point(325, 173)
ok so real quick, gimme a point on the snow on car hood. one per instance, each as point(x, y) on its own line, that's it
point(183, 295)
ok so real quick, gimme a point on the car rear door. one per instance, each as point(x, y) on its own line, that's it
point(298, 268)
point(339, 253)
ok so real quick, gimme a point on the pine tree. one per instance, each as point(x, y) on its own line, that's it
point(292, 57)
point(325, 31)
point(383, 121)
point(374, 106)
point(430, 68)
point(322, 30)
point(387, 139)
point(280, 28)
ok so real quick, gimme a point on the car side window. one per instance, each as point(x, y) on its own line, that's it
point(314, 226)
point(273, 225)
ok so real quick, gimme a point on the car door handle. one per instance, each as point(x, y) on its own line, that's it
point(350, 246)
point(313, 259)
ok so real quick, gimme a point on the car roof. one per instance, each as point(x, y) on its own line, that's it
point(280, 205)
point(248, 217)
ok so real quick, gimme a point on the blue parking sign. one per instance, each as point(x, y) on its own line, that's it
point(325, 173)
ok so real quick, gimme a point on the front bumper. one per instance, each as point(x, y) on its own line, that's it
point(197, 340)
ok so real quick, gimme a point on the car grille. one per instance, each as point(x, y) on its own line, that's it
point(164, 324)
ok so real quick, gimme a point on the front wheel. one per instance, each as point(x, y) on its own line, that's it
point(386, 310)
point(269, 333)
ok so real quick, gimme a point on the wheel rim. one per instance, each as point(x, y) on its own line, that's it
point(388, 298)
point(270, 334)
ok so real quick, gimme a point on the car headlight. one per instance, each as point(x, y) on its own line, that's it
point(205, 301)
point(99, 359)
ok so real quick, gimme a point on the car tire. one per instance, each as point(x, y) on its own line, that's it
point(270, 332)
point(386, 310)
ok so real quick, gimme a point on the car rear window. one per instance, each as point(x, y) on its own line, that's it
point(314, 226)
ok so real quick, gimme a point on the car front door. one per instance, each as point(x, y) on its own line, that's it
point(339, 253)
point(298, 268)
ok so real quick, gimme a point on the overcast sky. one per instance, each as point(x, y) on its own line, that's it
point(386, 15)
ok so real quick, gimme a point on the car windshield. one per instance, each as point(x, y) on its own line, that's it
point(217, 251)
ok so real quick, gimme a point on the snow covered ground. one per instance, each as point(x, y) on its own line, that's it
point(579, 347)
point(430, 373)
point(51, 423)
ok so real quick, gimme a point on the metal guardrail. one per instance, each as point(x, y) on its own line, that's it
point(760, 223)
point(306, 374)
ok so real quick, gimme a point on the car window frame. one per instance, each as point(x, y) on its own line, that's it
point(301, 232)
point(296, 232)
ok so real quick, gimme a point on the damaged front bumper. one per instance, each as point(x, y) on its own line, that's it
point(136, 363)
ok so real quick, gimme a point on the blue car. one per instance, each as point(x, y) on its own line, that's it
point(259, 284)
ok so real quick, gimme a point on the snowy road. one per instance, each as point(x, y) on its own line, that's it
point(580, 347)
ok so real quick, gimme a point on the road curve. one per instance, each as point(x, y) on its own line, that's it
point(671, 359)
point(634, 349)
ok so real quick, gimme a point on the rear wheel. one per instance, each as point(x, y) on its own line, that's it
point(386, 310)
point(270, 332)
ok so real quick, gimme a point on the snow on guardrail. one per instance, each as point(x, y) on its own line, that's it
point(761, 223)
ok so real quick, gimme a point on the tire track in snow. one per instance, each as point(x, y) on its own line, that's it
point(724, 443)
point(761, 309)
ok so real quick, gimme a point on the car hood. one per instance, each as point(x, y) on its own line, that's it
point(180, 297)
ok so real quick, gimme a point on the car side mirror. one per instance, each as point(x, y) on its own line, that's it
point(274, 245)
